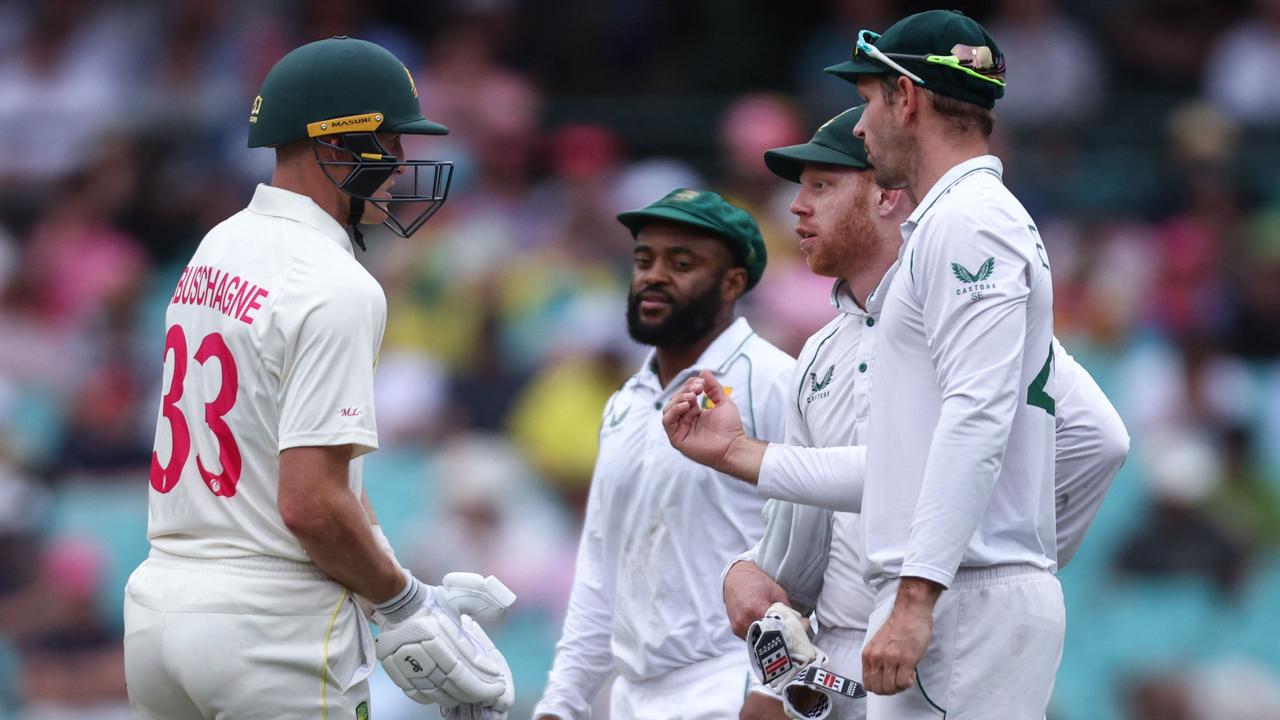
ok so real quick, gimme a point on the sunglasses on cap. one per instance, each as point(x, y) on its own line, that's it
point(974, 61)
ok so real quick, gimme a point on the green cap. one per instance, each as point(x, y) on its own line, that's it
point(334, 86)
point(833, 144)
point(707, 211)
point(937, 33)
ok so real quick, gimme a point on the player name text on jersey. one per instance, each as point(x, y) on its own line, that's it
point(219, 290)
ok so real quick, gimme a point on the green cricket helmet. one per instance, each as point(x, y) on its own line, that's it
point(340, 93)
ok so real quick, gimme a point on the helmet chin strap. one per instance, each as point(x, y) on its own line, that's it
point(353, 222)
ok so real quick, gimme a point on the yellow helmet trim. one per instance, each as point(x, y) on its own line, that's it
point(367, 122)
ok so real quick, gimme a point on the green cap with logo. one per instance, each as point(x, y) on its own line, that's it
point(707, 211)
point(334, 86)
point(947, 52)
point(833, 144)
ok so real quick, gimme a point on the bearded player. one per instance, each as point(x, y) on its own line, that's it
point(812, 550)
point(646, 597)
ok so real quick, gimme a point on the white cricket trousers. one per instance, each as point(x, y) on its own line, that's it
point(708, 690)
point(996, 645)
point(245, 639)
point(843, 647)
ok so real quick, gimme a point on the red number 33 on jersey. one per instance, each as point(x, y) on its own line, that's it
point(165, 477)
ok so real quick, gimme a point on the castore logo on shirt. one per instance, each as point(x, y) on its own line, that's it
point(615, 419)
point(818, 388)
point(974, 285)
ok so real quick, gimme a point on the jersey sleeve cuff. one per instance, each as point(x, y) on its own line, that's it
point(748, 556)
point(361, 441)
point(766, 478)
point(927, 572)
point(561, 708)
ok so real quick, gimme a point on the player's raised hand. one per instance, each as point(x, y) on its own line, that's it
point(682, 409)
point(702, 421)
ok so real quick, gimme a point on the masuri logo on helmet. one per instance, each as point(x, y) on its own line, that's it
point(340, 92)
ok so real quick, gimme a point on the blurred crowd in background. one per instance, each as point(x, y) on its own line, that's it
point(1143, 136)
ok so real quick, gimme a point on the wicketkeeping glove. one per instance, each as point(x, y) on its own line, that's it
point(803, 703)
point(811, 695)
point(779, 646)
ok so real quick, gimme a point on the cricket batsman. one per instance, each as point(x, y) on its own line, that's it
point(262, 537)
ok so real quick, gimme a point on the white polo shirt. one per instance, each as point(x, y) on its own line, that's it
point(1090, 445)
point(809, 484)
point(271, 338)
point(961, 442)
point(659, 527)
point(829, 406)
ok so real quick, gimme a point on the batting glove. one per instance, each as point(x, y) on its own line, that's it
point(434, 653)
point(485, 599)
point(499, 708)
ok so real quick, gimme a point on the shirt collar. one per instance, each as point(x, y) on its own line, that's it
point(714, 358)
point(278, 202)
point(842, 298)
point(876, 301)
point(988, 163)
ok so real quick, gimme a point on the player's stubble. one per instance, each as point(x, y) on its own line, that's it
point(892, 151)
point(854, 241)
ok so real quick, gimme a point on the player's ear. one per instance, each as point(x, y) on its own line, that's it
point(886, 200)
point(734, 284)
point(880, 201)
point(893, 203)
point(908, 97)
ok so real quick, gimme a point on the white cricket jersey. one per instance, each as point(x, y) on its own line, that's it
point(960, 451)
point(659, 527)
point(823, 465)
point(1090, 445)
point(828, 406)
point(271, 338)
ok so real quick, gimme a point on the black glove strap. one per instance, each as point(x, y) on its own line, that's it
point(353, 222)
